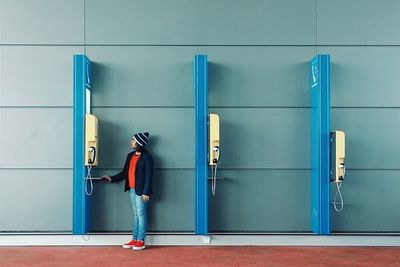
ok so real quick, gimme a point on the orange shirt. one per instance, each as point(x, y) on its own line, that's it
point(132, 169)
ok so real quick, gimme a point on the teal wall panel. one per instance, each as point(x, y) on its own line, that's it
point(142, 76)
point(1, 28)
point(200, 22)
point(37, 75)
point(36, 138)
point(264, 138)
point(371, 137)
point(364, 71)
point(36, 200)
point(259, 76)
point(261, 201)
point(358, 22)
point(171, 135)
point(171, 209)
point(370, 198)
point(162, 76)
point(42, 21)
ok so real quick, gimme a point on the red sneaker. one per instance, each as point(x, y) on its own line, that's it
point(139, 245)
point(130, 244)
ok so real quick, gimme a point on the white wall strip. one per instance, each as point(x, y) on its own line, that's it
point(192, 240)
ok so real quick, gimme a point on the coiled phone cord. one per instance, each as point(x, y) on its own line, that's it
point(338, 185)
point(213, 179)
point(89, 177)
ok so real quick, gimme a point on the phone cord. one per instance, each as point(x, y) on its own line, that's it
point(213, 179)
point(89, 177)
point(338, 185)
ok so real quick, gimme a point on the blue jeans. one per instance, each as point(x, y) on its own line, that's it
point(139, 208)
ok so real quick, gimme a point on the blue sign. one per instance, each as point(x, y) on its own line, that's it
point(88, 73)
point(314, 73)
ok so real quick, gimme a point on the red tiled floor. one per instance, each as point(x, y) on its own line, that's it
point(200, 256)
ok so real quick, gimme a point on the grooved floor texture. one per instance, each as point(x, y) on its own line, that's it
point(200, 256)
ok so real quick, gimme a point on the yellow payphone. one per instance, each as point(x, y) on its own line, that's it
point(91, 140)
point(91, 148)
point(213, 148)
point(213, 140)
point(338, 167)
point(338, 155)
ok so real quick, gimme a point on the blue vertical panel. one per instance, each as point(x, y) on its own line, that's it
point(201, 105)
point(81, 203)
point(325, 143)
point(315, 145)
point(320, 131)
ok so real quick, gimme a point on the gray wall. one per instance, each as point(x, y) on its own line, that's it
point(143, 78)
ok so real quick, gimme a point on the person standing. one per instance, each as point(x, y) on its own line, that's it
point(137, 173)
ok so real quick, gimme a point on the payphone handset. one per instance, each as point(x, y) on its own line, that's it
point(338, 150)
point(213, 139)
point(91, 140)
point(213, 148)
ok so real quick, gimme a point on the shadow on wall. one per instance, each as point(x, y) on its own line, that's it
point(220, 76)
point(109, 145)
point(156, 179)
point(158, 182)
point(340, 90)
point(217, 206)
point(100, 72)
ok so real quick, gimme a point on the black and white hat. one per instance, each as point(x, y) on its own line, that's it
point(142, 138)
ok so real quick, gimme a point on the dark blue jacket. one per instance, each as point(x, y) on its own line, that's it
point(143, 174)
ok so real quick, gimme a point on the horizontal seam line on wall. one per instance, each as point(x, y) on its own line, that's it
point(192, 169)
point(184, 106)
point(364, 107)
point(120, 106)
point(36, 106)
point(219, 168)
point(190, 233)
point(191, 107)
point(33, 168)
point(206, 45)
point(388, 107)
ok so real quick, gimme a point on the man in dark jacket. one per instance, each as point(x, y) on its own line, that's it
point(137, 173)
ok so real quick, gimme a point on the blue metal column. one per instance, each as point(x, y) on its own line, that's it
point(320, 135)
point(201, 112)
point(81, 202)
